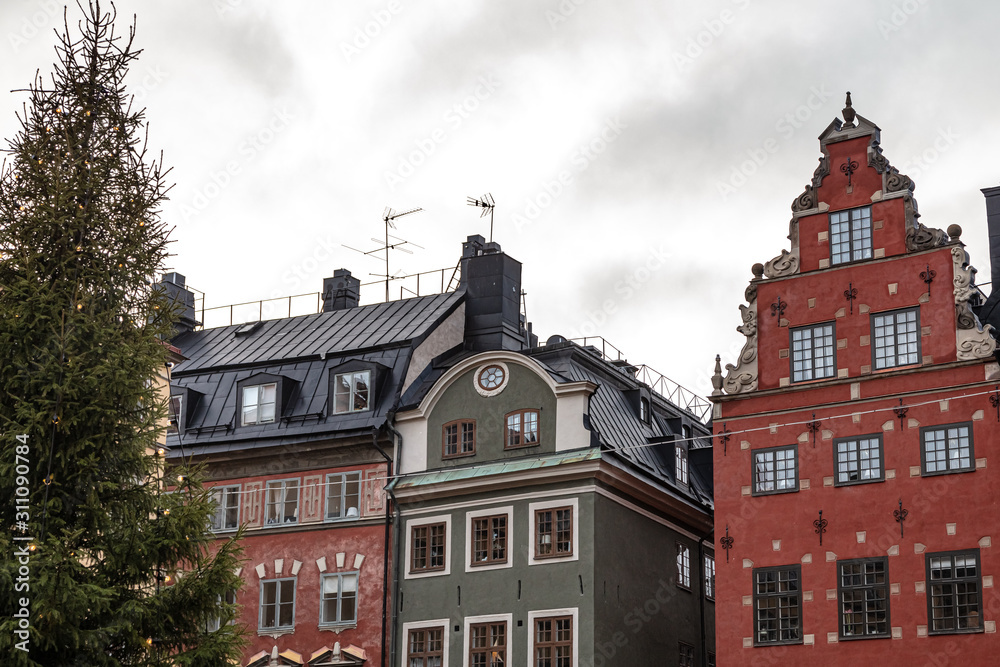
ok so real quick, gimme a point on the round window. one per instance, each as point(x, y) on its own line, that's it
point(491, 377)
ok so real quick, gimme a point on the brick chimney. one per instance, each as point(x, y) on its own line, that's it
point(341, 292)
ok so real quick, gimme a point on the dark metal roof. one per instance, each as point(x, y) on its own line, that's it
point(302, 350)
point(618, 428)
point(362, 328)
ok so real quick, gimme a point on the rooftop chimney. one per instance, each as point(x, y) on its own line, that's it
point(492, 281)
point(174, 286)
point(341, 292)
point(989, 313)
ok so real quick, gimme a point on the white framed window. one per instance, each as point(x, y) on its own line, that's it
point(851, 235)
point(282, 502)
point(487, 640)
point(554, 637)
point(351, 392)
point(896, 338)
point(175, 415)
point(277, 604)
point(258, 406)
point(343, 495)
point(487, 539)
point(709, 577)
point(427, 643)
point(812, 352)
point(680, 464)
point(549, 521)
point(683, 566)
point(226, 515)
point(521, 429)
point(338, 604)
point(428, 546)
point(215, 622)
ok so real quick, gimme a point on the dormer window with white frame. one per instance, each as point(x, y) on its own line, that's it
point(352, 392)
point(259, 404)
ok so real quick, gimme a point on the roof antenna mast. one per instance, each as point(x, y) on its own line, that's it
point(487, 204)
point(396, 243)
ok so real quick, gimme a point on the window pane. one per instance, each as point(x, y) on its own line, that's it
point(352, 494)
point(342, 393)
point(361, 382)
point(334, 490)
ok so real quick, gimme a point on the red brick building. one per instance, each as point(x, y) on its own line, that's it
point(855, 474)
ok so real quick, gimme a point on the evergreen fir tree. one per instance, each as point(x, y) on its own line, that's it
point(118, 572)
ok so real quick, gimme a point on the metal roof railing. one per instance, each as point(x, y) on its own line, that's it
point(312, 302)
point(658, 382)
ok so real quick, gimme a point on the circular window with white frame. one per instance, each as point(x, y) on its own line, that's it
point(491, 378)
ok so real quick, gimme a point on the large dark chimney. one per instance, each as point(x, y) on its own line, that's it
point(989, 312)
point(993, 225)
point(174, 286)
point(341, 292)
point(492, 281)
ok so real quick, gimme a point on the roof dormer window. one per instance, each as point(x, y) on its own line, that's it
point(351, 391)
point(851, 235)
point(259, 402)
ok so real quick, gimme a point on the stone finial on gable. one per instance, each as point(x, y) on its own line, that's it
point(849, 114)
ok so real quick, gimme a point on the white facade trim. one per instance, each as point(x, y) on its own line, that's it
point(490, 618)
point(550, 504)
point(493, 511)
point(408, 553)
point(574, 612)
point(420, 625)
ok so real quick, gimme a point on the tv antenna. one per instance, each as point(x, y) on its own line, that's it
point(487, 204)
point(390, 242)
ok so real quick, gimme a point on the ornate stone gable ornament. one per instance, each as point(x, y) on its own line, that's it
point(742, 377)
point(848, 112)
point(972, 339)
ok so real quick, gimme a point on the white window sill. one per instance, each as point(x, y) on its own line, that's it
point(337, 628)
point(275, 632)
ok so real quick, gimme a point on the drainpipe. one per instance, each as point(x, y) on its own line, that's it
point(702, 597)
point(385, 554)
point(397, 446)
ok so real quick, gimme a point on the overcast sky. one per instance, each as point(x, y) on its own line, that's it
point(642, 155)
